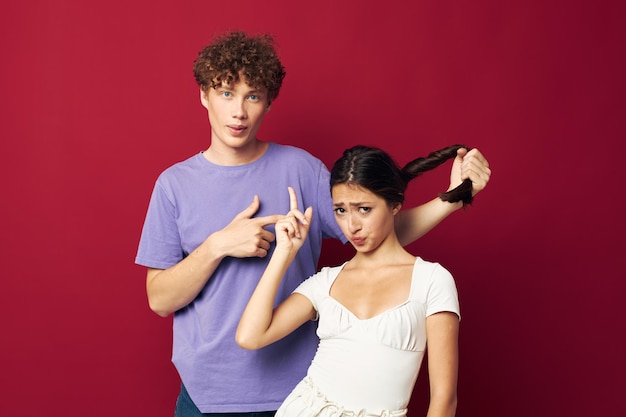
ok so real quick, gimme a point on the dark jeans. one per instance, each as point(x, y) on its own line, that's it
point(186, 408)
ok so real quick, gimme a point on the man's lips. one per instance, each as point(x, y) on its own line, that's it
point(236, 128)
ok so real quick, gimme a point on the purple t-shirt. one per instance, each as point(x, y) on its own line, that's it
point(195, 198)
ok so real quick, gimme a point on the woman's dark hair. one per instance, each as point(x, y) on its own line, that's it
point(373, 169)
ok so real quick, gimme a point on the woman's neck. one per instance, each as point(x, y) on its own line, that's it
point(388, 253)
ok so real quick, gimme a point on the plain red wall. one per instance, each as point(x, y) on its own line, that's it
point(98, 98)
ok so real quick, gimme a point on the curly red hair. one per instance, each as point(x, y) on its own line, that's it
point(236, 54)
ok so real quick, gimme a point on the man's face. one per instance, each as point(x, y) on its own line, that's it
point(235, 113)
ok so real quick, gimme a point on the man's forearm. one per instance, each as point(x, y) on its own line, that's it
point(171, 289)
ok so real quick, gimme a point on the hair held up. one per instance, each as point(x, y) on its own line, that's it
point(373, 169)
point(418, 166)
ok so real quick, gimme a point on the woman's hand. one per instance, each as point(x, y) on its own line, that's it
point(473, 165)
point(293, 229)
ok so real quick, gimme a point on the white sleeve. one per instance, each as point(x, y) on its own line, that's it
point(442, 293)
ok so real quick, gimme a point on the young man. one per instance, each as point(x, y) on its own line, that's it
point(209, 229)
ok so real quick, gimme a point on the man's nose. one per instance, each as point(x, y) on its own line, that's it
point(239, 110)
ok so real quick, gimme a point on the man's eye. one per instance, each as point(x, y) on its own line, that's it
point(254, 98)
point(227, 94)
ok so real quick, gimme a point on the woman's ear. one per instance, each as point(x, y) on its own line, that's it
point(396, 208)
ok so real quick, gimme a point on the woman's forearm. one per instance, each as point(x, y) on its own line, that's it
point(257, 316)
point(411, 224)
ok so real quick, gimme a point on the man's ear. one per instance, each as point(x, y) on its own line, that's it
point(204, 98)
point(396, 208)
point(268, 108)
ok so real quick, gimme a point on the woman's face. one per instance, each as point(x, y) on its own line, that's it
point(365, 218)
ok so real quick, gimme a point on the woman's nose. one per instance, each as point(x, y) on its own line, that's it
point(354, 223)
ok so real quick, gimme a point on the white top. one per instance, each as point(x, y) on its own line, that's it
point(373, 364)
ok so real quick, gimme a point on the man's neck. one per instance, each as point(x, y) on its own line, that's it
point(229, 156)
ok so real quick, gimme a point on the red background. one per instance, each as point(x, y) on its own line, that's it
point(98, 98)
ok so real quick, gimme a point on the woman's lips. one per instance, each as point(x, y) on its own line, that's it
point(358, 241)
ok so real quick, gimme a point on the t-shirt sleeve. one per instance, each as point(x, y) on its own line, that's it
point(442, 293)
point(316, 287)
point(160, 245)
point(309, 288)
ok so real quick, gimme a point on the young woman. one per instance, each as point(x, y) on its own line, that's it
point(378, 312)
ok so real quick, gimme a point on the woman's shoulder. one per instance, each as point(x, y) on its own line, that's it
point(422, 266)
point(329, 273)
point(427, 274)
point(324, 278)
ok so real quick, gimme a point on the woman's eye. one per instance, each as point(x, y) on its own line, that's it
point(339, 211)
point(365, 209)
point(254, 98)
point(227, 94)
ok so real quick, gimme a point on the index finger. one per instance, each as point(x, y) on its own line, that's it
point(293, 199)
point(267, 220)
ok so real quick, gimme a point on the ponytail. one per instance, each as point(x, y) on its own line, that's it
point(418, 166)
